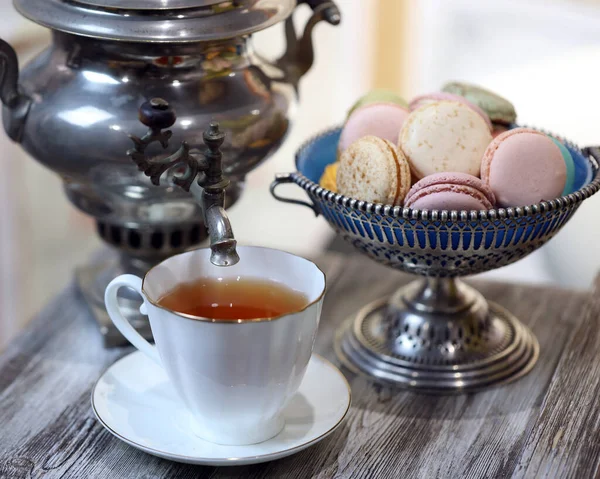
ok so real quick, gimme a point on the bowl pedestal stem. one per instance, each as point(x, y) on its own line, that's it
point(437, 335)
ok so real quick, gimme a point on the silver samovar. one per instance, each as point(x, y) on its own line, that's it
point(73, 107)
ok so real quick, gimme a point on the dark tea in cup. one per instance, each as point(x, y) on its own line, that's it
point(233, 298)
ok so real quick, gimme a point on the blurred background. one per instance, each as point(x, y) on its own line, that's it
point(542, 55)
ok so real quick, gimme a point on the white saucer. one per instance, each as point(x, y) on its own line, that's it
point(135, 402)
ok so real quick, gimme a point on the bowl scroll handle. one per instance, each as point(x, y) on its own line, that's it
point(284, 178)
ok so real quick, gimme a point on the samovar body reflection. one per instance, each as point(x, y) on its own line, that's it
point(73, 107)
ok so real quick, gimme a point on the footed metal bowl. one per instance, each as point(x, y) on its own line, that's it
point(437, 334)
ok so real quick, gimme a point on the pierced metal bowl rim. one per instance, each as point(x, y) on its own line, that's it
point(562, 202)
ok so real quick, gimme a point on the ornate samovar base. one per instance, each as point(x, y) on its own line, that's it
point(137, 249)
point(154, 244)
point(437, 335)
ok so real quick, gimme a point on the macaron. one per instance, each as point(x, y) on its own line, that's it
point(523, 167)
point(383, 120)
point(570, 164)
point(450, 191)
point(444, 136)
point(374, 170)
point(421, 100)
point(499, 109)
point(328, 179)
point(378, 96)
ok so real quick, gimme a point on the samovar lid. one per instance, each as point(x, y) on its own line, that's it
point(164, 21)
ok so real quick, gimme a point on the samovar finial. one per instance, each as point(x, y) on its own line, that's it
point(208, 189)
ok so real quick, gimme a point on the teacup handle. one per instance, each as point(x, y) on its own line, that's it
point(126, 329)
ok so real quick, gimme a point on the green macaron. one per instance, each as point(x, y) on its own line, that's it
point(499, 109)
point(570, 166)
point(378, 96)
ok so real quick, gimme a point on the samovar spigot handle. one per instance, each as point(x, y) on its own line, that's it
point(208, 189)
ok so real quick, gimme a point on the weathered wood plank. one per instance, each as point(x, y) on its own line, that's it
point(565, 440)
point(45, 381)
point(48, 429)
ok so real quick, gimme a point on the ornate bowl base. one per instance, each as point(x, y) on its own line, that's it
point(437, 335)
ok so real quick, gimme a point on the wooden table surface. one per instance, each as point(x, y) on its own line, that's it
point(544, 425)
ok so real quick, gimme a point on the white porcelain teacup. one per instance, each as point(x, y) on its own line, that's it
point(236, 378)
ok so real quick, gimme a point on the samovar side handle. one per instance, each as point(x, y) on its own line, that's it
point(16, 104)
point(299, 54)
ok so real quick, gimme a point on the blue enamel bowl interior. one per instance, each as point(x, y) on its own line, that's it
point(311, 162)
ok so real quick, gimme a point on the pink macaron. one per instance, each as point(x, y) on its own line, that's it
point(450, 191)
point(441, 96)
point(523, 167)
point(383, 120)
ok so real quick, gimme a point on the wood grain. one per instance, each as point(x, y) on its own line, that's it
point(48, 429)
point(565, 440)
